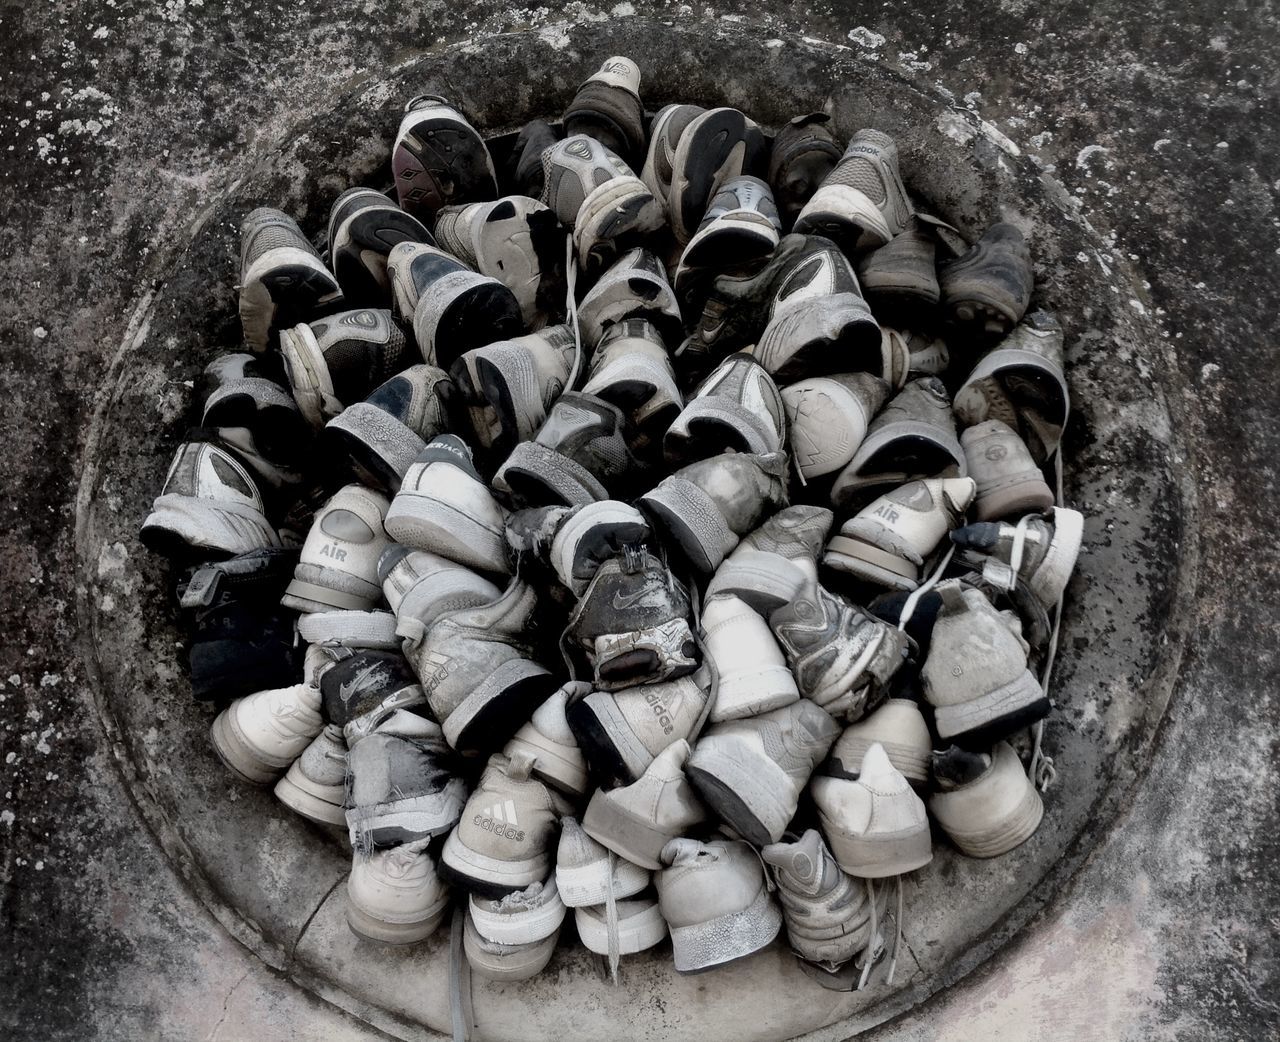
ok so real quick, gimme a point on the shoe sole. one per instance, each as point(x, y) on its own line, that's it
point(538, 285)
point(517, 963)
point(743, 798)
point(378, 448)
point(981, 722)
point(317, 588)
point(492, 713)
point(182, 526)
point(880, 857)
point(708, 427)
point(359, 247)
point(615, 217)
point(704, 158)
point(689, 517)
point(461, 311)
point(407, 819)
point(847, 217)
point(826, 413)
point(644, 389)
point(356, 629)
point(588, 885)
point(550, 765)
point(266, 410)
point(318, 803)
point(535, 475)
point(636, 933)
point(238, 754)
point(536, 924)
point(509, 382)
point(626, 835)
point(763, 581)
point(753, 692)
point(642, 295)
point(864, 561)
point(1014, 830)
point(428, 524)
point(1051, 578)
point(834, 336)
point(1030, 496)
point(284, 287)
point(381, 931)
point(726, 938)
point(598, 726)
point(440, 161)
point(488, 876)
point(730, 243)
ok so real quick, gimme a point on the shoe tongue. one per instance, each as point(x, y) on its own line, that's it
point(449, 448)
point(618, 72)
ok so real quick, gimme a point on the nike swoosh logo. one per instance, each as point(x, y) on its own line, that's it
point(345, 691)
point(620, 602)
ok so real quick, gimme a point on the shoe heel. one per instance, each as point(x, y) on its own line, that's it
point(637, 841)
point(689, 516)
point(702, 946)
point(1032, 496)
point(981, 722)
point(237, 754)
point(865, 561)
point(744, 799)
point(490, 715)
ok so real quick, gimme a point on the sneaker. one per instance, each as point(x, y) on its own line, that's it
point(523, 167)
point(586, 871)
point(634, 286)
point(1021, 382)
point(477, 668)
point(1008, 481)
point(315, 784)
point(249, 409)
point(516, 240)
point(741, 225)
point(632, 623)
point(607, 107)
point(877, 826)
point(899, 728)
point(444, 506)
point(395, 896)
point(379, 439)
point(631, 369)
point(506, 963)
point(737, 408)
point(1050, 546)
point(352, 629)
point(827, 915)
point(751, 675)
point(900, 278)
point(888, 542)
point(714, 148)
point(832, 334)
point(638, 820)
point(985, 802)
point(706, 507)
point(804, 153)
point(439, 159)
point(664, 137)
point(862, 204)
point(773, 563)
point(828, 417)
point(929, 355)
point(506, 837)
point(341, 360)
point(842, 658)
point(339, 563)
point(421, 586)
point(210, 506)
point(575, 541)
point(717, 902)
point(639, 926)
point(258, 736)
point(751, 772)
point(913, 437)
point(557, 760)
point(976, 676)
point(361, 689)
point(622, 732)
point(522, 917)
point(595, 193)
point(363, 226)
point(986, 291)
point(283, 281)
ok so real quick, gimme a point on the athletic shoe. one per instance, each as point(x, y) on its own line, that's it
point(210, 506)
point(363, 688)
point(506, 837)
point(1021, 382)
point(899, 728)
point(395, 896)
point(339, 563)
point(826, 912)
point(622, 732)
point(717, 902)
point(315, 784)
point(976, 676)
point(828, 417)
point(751, 772)
point(586, 537)
point(751, 674)
point(523, 167)
point(439, 159)
point(401, 786)
point(607, 107)
point(877, 826)
point(522, 917)
point(1049, 548)
point(249, 409)
point(444, 506)
point(506, 963)
point(887, 542)
point(338, 361)
point(516, 240)
point(632, 623)
point(634, 286)
point(631, 369)
point(929, 355)
point(832, 334)
point(283, 281)
point(804, 153)
point(842, 658)
point(557, 760)
point(477, 667)
point(913, 437)
point(664, 137)
point(715, 147)
point(900, 277)
point(258, 736)
point(1008, 481)
point(985, 802)
point(638, 820)
point(363, 226)
point(986, 291)
point(352, 629)
point(587, 872)
point(595, 193)
point(379, 439)
point(421, 586)
point(741, 226)
point(774, 563)
point(639, 926)
point(862, 203)
point(706, 507)
point(737, 408)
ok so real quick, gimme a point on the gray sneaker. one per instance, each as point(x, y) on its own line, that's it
point(339, 563)
point(607, 107)
point(741, 225)
point(631, 369)
point(506, 963)
point(1050, 547)
point(737, 408)
point(985, 292)
point(315, 784)
point(828, 417)
point(834, 334)
point(715, 147)
point(421, 586)
point(523, 917)
point(773, 563)
point(439, 158)
point(1009, 482)
point(634, 286)
point(557, 760)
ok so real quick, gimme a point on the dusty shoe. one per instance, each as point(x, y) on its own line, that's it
point(339, 563)
point(929, 355)
point(804, 153)
point(315, 784)
point(664, 138)
point(363, 226)
point(842, 658)
point(607, 107)
point(394, 896)
point(773, 563)
point(524, 165)
point(557, 760)
point(421, 586)
point(832, 334)
point(523, 917)
point(439, 159)
point(751, 772)
point(506, 963)
point(717, 902)
point(246, 403)
point(986, 291)
point(634, 286)
point(1009, 482)
point(741, 225)
point(899, 728)
point(638, 820)
point(350, 628)
point(586, 871)
point(900, 277)
point(715, 147)
point(361, 690)
point(632, 370)
point(258, 736)
point(985, 802)
point(862, 204)
point(887, 542)
point(976, 675)
point(828, 418)
point(1049, 548)
point(752, 676)
point(505, 839)
point(706, 507)
point(589, 536)
point(877, 826)
point(737, 408)
point(639, 927)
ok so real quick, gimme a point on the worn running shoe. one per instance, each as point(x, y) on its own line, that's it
point(735, 409)
point(715, 147)
point(607, 107)
point(258, 736)
point(900, 278)
point(439, 159)
point(776, 561)
point(741, 225)
point(586, 871)
point(985, 802)
point(557, 760)
point(523, 917)
point(315, 786)
point(1009, 482)
point(632, 370)
point(900, 728)
point(828, 417)
point(523, 167)
point(634, 286)
point(248, 404)
point(420, 587)
point(664, 137)
point(506, 963)
point(804, 153)
point(830, 334)
point(395, 896)
point(986, 291)
point(363, 226)
point(751, 674)
point(1047, 548)
point(339, 563)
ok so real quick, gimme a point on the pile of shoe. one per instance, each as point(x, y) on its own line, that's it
point(573, 538)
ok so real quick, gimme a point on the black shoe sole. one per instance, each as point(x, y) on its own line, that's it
point(379, 229)
point(504, 714)
point(602, 756)
point(357, 459)
point(478, 317)
point(707, 438)
point(451, 165)
point(849, 352)
point(983, 738)
point(728, 806)
point(299, 294)
point(280, 433)
point(714, 140)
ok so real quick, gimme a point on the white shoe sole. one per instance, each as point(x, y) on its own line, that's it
point(1050, 579)
point(526, 927)
point(882, 854)
point(550, 762)
point(753, 692)
point(514, 963)
point(827, 424)
point(236, 751)
point(371, 927)
point(637, 933)
point(1020, 700)
point(846, 216)
point(754, 796)
point(355, 629)
point(319, 803)
point(425, 523)
point(490, 871)
point(308, 374)
point(700, 946)
point(588, 884)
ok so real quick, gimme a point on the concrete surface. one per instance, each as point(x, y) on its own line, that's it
point(1151, 117)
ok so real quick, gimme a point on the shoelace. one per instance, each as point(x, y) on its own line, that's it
point(1040, 769)
point(611, 920)
point(571, 310)
point(461, 1014)
point(869, 953)
point(913, 599)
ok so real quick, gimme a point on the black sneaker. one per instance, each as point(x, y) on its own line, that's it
point(439, 159)
point(524, 165)
point(804, 153)
point(717, 146)
point(607, 107)
point(363, 688)
point(985, 293)
point(363, 226)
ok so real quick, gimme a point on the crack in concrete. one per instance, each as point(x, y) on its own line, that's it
point(226, 1007)
point(293, 948)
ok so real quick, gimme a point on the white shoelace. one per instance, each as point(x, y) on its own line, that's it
point(571, 310)
point(461, 1014)
point(1040, 769)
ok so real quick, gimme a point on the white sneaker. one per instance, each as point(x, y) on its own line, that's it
point(752, 674)
point(524, 917)
point(505, 963)
point(557, 760)
point(985, 802)
point(339, 563)
point(586, 870)
point(828, 417)
point(421, 586)
point(640, 926)
point(899, 728)
point(315, 784)
point(634, 286)
point(258, 736)
point(394, 896)
point(862, 204)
